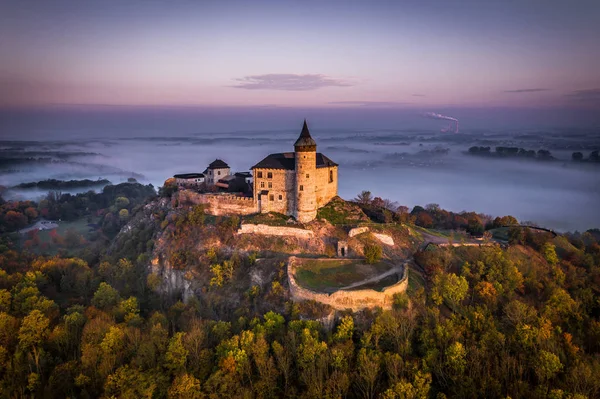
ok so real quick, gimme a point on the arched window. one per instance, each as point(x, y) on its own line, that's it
point(331, 176)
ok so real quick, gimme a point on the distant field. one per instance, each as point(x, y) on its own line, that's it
point(68, 235)
point(331, 275)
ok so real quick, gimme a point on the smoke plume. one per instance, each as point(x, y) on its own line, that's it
point(452, 127)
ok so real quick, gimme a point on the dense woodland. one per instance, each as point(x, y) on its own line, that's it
point(521, 321)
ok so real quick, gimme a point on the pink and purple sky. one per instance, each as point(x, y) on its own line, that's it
point(301, 53)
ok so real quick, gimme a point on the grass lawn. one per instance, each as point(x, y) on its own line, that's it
point(330, 275)
point(340, 212)
point(270, 219)
point(437, 233)
point(381, 284)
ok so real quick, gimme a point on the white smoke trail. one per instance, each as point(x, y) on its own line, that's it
point(434, 115)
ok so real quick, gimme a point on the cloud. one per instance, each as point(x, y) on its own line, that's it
point(525, 90)
point(418, 95)
point(587, 95)
point(289, 82)
point(369, 103)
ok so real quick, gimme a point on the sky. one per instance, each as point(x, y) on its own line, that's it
point(309, 53)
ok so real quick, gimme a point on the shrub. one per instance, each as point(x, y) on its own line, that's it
point(372, 253)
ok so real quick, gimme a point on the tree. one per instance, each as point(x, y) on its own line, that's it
point(345, 329)
point(577, 156)
point(367, 372)
point(128, 382)
point(424, 220)
point(105, 297)
point(549, 252)
point(14, 220)
point(417, 389)
point(123, 214)
point(449, 288)
point(176, 355)
point(185, 386)
point(456, 358)
point(121, 202)
point(364, 198)
point(547, 365)
point(33, 333)
point(31, 213)
point(373, 253)
point(5, 299)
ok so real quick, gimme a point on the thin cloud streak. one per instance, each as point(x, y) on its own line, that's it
point(586, 95)
point(369, 103)
point(289, 82)
point(525, 90)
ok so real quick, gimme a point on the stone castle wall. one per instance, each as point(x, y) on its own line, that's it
point(282, 183)
point(354, 299)
point(326, 190)
point(275, 231)
point(219, 204)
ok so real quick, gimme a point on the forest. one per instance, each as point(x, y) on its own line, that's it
point(519, 321)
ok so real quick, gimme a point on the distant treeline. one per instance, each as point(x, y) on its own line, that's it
point(53, 184)
point(516, 152)
point(578, 157)
point(511, 152)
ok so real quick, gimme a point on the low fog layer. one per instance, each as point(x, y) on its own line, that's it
point(413, 163)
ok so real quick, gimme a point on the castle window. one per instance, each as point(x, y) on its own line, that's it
point(301, 188)
point(271, 197)
point(280, 197)
point(270, 185)
point(262, 184)
point(331, 176)
point(259, 175)
point(269, 175)
point(307, 175)
point(219, 173)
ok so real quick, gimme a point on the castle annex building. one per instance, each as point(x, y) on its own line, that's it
point(295, 183)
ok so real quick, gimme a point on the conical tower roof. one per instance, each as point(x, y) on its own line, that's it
point(305, 139)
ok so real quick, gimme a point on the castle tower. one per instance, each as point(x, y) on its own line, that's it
point(306, 174)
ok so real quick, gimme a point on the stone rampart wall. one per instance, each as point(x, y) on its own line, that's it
point(354, 299)
point(219, 204)
point(462, 244)
point(275, 231)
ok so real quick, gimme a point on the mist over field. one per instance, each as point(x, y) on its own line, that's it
point(400, 155)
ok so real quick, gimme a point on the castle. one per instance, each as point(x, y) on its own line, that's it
point(295, 183)
point(292, 183)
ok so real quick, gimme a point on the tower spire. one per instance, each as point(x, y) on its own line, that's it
point(305, 141)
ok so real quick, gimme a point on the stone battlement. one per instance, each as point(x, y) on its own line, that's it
point(220, 204)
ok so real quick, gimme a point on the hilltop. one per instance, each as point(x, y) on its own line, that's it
point(181, 303)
